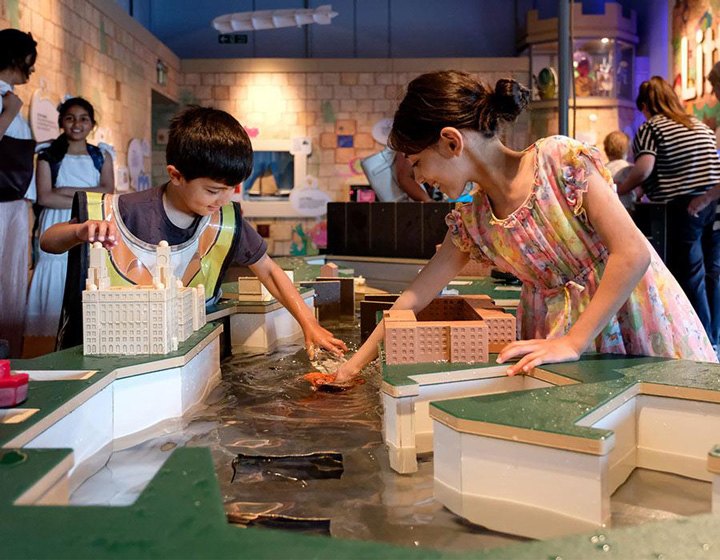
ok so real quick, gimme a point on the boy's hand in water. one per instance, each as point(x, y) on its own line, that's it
point(537, 352)
point(318, 337)
point(98, 230)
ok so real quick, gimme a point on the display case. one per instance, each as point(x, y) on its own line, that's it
point(602, 89)
point(602, 67)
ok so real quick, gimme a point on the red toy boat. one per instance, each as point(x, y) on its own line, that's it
point(13, 388)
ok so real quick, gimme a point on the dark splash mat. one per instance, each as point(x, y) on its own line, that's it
point(293, 468)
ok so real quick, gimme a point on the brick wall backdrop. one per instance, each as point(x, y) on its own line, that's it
point(92, 48)
point(321, 99)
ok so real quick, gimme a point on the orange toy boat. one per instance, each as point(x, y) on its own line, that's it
point(326, 382)
point(317, 378)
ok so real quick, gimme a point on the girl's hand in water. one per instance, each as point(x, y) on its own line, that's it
point(346, 372)
point(318, 337)
point(538, 351)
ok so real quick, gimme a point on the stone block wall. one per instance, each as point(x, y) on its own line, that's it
point(93, 49)
point(334, 102)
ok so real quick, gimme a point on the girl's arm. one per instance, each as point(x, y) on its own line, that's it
point(9, 108)
point(441, 269)
point(107, 176)
point(279, 285)
point(47, 195)
point(629, 259)
point(61, 197)
point(638, 174)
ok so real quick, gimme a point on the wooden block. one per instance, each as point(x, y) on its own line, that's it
point(327, 299)
point(368, 316)
point(347, 294)
point(382, 297)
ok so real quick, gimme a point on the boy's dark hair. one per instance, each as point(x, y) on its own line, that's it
point(209, 143)
point(15, 47)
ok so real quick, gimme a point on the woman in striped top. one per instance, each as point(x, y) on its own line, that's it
point(676, 161)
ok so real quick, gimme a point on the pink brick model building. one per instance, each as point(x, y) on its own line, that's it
point(450, 328)
point(329, 270)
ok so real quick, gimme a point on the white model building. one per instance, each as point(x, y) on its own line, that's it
point(133, 320)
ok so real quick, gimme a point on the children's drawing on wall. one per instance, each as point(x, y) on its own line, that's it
point(43, 115)
point(303, 243)
point(308, 200)
point(273, 175)
point(139, 179)
point(122, 179)
point(328, 112)
point(318, 234)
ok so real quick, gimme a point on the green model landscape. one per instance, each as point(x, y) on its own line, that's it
point(180, 514)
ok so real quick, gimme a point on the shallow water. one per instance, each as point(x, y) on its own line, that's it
point(263, 407)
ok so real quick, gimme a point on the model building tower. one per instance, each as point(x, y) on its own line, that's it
point(133, 320)
point(452, 329)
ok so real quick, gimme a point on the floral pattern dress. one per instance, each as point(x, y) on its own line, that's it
point(549, 244)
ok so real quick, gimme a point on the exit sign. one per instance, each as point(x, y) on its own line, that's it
point(232, 39)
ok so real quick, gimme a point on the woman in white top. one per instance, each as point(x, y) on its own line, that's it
point(68, 165)
point(17, 61)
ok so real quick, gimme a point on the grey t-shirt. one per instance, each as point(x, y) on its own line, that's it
point(144, 215)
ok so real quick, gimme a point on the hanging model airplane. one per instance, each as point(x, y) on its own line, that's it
point(272, 19)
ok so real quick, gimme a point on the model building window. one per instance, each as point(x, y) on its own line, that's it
point(272, 176)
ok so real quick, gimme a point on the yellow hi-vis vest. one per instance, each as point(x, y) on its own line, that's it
point(199, 260)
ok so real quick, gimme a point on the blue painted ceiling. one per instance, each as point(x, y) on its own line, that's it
point(363, 28)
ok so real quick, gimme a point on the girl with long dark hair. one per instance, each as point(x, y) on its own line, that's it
point(18, 51)
point(68, 165)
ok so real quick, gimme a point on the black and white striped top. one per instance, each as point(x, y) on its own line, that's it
point(686, 161)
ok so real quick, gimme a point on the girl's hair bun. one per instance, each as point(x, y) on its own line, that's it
point(509, 99)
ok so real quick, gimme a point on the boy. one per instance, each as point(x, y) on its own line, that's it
point(617, 146)
point(208, 154)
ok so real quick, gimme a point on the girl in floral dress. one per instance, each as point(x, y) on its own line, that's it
point(550, 216)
